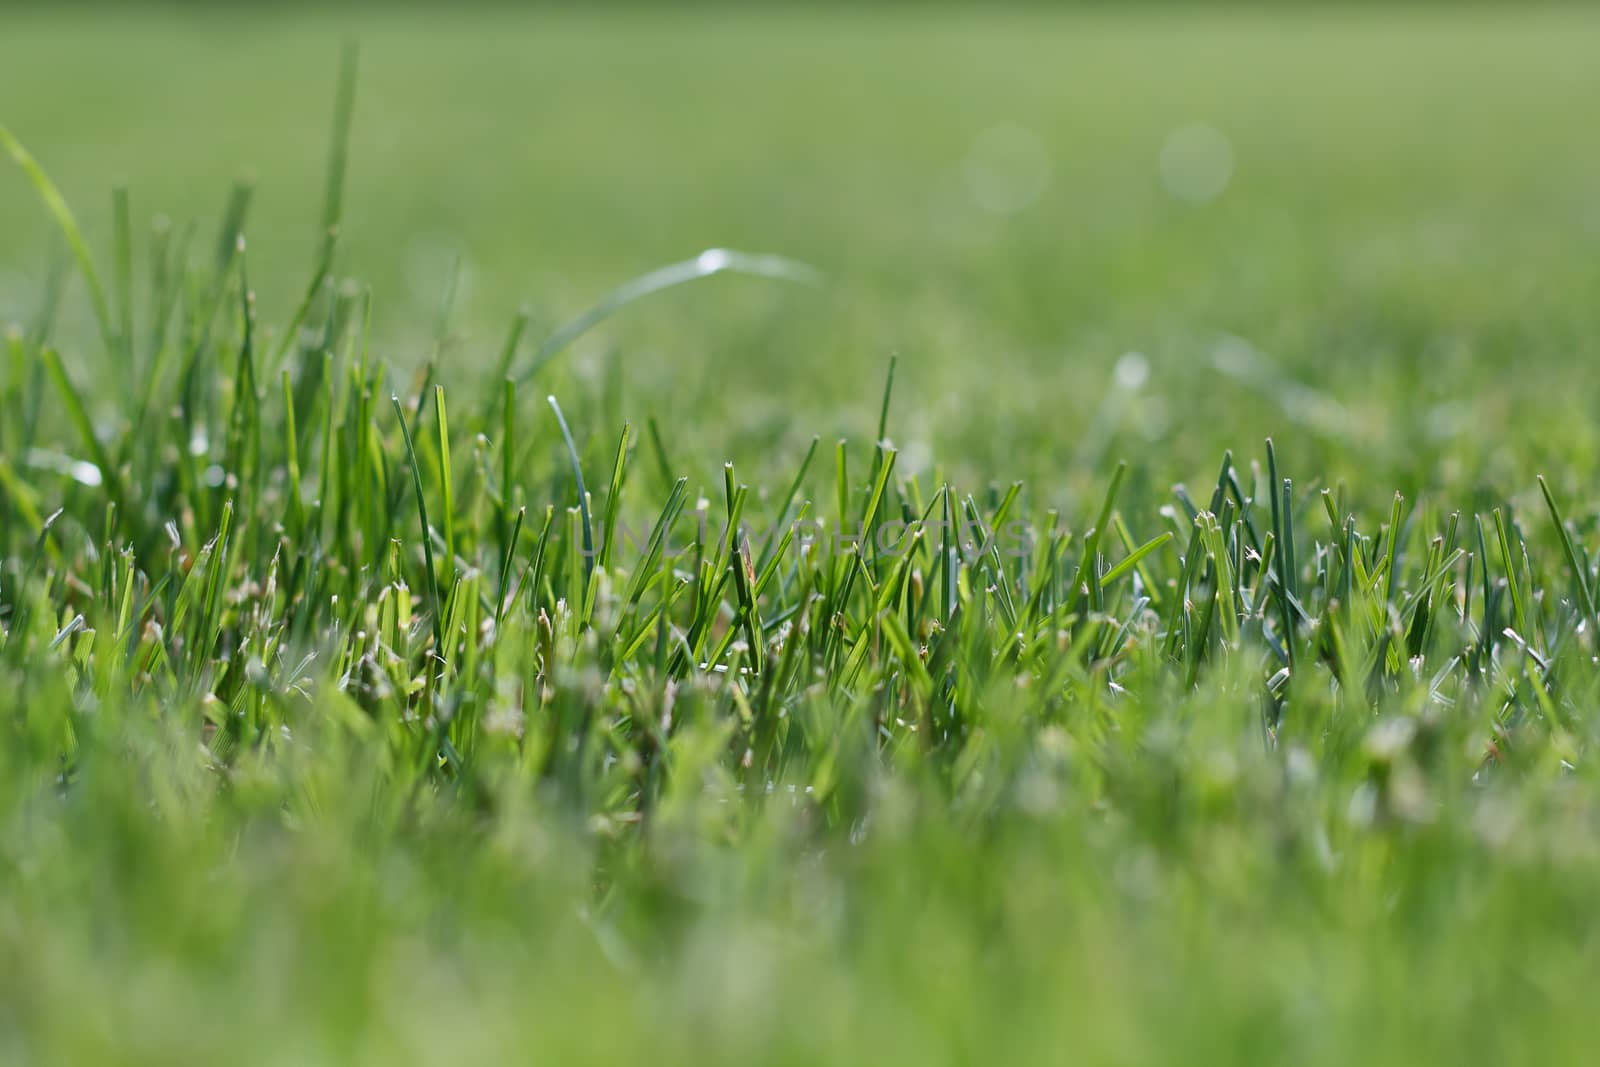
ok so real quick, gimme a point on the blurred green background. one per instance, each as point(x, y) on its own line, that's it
point(1375, 230)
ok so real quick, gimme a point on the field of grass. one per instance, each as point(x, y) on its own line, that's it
point(395, 670)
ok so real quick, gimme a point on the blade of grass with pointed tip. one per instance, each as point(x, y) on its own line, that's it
point(1091, 542)
point(292, 458)
point(663, 464)
point(583, 494)
point(658, 534)
point(778, 522)
point(1514, 586)
point(506, 560)
point(1579, 572)
point(435, 606)
point(888, 392)
point(619, 471)
point(1396, 529)
point(1131, 560)
point(446, 483)
point(1280, 556)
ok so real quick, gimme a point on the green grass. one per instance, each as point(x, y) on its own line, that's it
point(395, 674)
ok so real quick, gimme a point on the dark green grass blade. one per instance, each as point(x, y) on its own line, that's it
point(1579, 571)
point(583, 494)
point(436, 606)
point(619, 472)
point(1281, 555)
point(1513, 584)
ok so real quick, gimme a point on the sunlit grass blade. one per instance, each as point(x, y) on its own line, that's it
point(1132, 559)
point(711, 262)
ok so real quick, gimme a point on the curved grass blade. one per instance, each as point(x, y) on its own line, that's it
point(78, 415)
point(583, 494)
point(710, 262)
point(1132, 559)
point(56, 204)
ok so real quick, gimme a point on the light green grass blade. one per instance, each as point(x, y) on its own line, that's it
point(57, 206)
point(707, 264)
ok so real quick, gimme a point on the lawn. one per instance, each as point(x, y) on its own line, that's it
point(365, 706)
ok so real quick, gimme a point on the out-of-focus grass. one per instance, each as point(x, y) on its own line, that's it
point(1412, 209)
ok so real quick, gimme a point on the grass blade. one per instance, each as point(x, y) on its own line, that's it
point(1579, 571)
point(57, 206)
point(707, 264)
point(436, 606)
point(583, 494)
